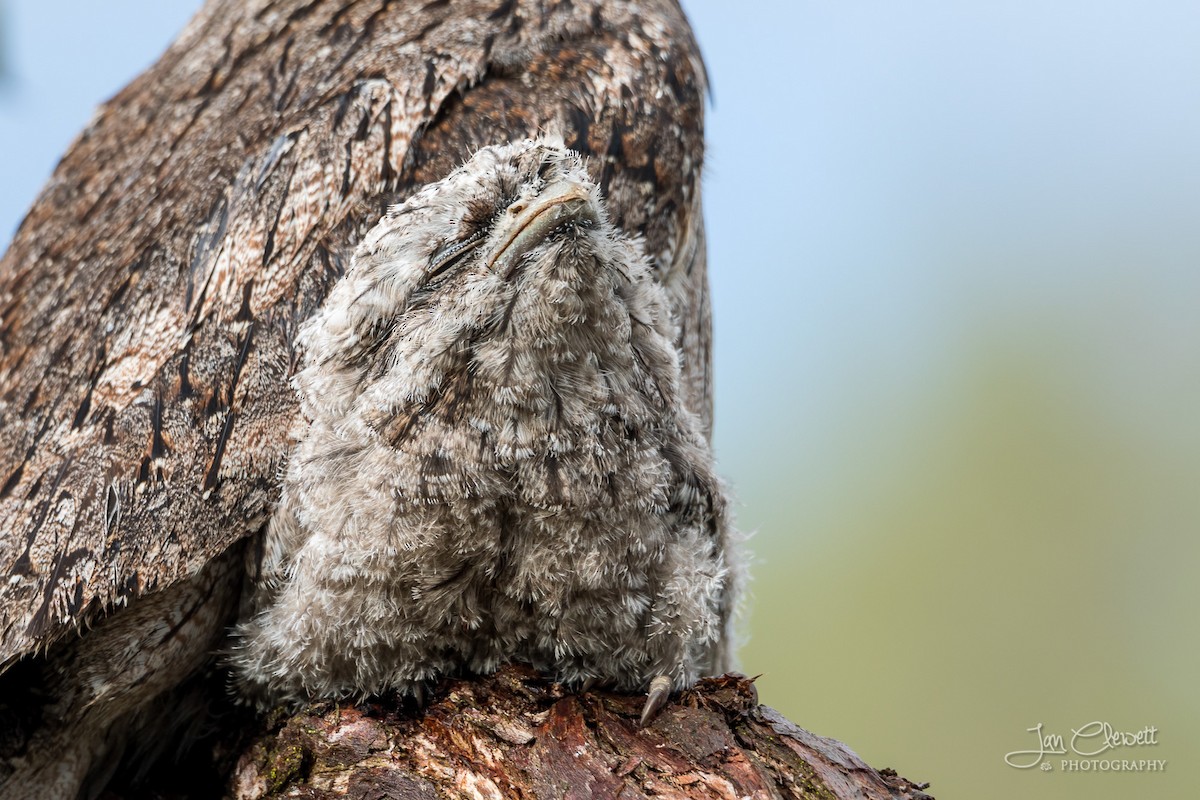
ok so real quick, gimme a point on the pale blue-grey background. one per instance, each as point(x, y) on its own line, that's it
point(954, 254)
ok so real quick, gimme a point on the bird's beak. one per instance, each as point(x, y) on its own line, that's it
point(527, 223)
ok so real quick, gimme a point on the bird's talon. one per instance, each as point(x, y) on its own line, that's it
point(656, 698)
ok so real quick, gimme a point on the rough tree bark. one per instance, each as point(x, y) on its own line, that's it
point(515, 735)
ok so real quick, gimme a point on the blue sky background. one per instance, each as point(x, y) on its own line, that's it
point(954, 254)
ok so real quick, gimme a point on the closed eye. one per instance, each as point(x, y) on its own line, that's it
point(453, 253)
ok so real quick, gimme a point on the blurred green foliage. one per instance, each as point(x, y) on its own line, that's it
point(1019, 552)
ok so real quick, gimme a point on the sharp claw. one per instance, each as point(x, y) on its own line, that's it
point(588, 684)
point(656, 698)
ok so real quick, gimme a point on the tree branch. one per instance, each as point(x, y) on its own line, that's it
point(515, 734)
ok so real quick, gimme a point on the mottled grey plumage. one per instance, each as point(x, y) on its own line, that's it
point(150, 305)
point(497, 463)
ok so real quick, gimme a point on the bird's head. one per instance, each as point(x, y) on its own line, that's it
point(509, 275)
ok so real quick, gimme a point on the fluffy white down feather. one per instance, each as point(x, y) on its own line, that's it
point(495, 466)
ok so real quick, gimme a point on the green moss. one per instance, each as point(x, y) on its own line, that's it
point(284, 765)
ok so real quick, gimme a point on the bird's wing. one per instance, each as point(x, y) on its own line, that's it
point(150, 299)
